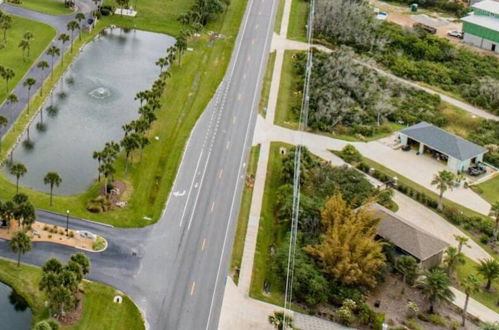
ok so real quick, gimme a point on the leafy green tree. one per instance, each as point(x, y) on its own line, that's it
point(470, 285)
point(408, 267)
point(83, 261)
point(443, 181)
point(20, 243)
point(451, 258)
point(279, 321)
point(435, 286)
point(29, 83)
point(52, 179)
point(18, 170)
point(488, 269)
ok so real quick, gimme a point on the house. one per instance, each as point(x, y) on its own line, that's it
point(426, 248)
point(481, 27)
point(458, 153)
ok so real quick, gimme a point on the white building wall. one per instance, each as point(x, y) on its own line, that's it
point(480, 42)
point(453, 164)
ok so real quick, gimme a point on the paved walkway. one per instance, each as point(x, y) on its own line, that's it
point(474, 307)
point(59, 23)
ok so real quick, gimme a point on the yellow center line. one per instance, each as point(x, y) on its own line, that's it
point(203, 245)
point(253, 41)
point(193, 287)
point(220, 173)
point(212, 206)
point(244, 76)
point(227, 145)
point(248, 58)
point(239, 97)
point(234, 119)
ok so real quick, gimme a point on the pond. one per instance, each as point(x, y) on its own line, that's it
point(14, 310)
point(92, 101)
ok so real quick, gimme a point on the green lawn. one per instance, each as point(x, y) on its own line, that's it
point(489, 190)
point(99, 312)
point(192, 85)
point(11, 55)
point(278, 21)
point(270, 233)
point(242, 221)
point(267, 81)
point(297, 28)
point(51, 7)
point(487, 298)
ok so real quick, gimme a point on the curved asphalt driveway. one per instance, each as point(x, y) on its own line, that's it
point(59, 23)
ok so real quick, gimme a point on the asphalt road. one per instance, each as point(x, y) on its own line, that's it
point(176, 269)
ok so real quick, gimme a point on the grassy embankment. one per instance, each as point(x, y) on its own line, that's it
point(267, 81)
point(188, 92)
point(99, 311)
point(297, 28)
point(278, 21)
point(244, 213)
point(11, 55)
point(51, 7)
point(488, 299)
point(270, 233)
point(489, 189)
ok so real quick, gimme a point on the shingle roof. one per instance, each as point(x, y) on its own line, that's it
point(488, 22)
point(488, 5)
point(443, 141)
point(416, 241)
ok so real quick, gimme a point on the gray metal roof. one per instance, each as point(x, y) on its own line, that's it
point(488, 22)
point(416, 241)
point(488, 5)
point(443, 141)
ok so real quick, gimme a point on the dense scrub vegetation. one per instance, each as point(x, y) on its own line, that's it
point(329, 196)
point(411, 53)
point(454, 7)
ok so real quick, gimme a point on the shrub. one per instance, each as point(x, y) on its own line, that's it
point(350, 154)
point(484, 239)
point(437, 320)
point(365, 314)
point(345, 316)
point(379, 319)
point(412, 309)
point(412, 324)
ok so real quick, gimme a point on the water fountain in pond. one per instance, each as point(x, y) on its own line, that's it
point(100, 93)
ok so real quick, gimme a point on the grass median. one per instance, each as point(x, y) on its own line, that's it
point(188, 91)
point(51, 7)
point(244, 214)
point(11, 56)
point(99, 311)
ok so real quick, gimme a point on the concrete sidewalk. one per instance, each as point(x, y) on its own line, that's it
point(475, 308)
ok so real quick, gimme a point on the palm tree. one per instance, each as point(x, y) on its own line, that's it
point(181, 45)
point(53, 51)
point(72, 26)
point(52, 178)
point(494, 213)
point(407, 266)
point(12, 98)
point(129, 143)
point(63, 38)
point(461, 241)
point(280, 321)
point(107, 169)
point(444, 180)
point(3, 123)
point(29, 83)
point(24, 45)
point(79, 17)
point(28, 36)
point(18, 170)
point(489, 269)
point(42, 65)
point(162, 62)
point(20, 244)
point(7, 74)
point(5, 24)
point(470, 285)
point(436, 287)
point(452, 258)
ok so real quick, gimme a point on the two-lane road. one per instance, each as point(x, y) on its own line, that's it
point(176, 269)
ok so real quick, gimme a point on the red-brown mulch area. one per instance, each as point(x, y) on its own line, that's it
point(75, 315)
point(114, 197)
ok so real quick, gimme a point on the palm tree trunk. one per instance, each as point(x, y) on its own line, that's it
point(440, 201)
point(19, 259)
point(465, 308)
point(489, 283)
point(51, 188)
point(496, 229)
point(17, 185)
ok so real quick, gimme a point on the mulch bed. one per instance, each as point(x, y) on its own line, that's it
point(75, 315)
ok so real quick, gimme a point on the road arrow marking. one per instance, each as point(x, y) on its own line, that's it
point(179, 194)
point(193, 287)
